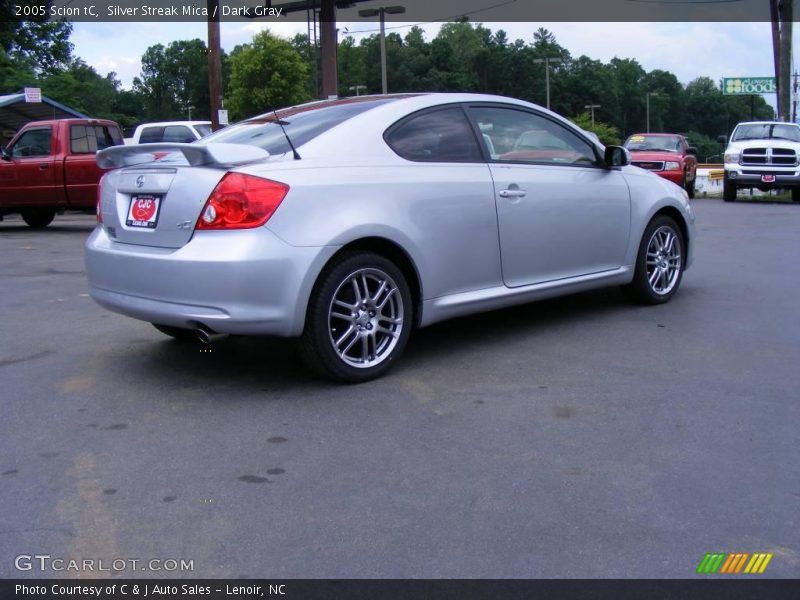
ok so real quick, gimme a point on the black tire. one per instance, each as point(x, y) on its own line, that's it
point(179, 333)
point(38, 218)
point(361, 320)
point(640, 289)
point(795, 194)
point(728, 190)
point(689, 185)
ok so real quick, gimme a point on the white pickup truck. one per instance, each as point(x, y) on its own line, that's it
point(170, 131)
point(763, 155)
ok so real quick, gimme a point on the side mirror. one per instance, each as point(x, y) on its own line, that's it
point(722, 139)
point(617, 156)
point(691, 150)
point(4, 154)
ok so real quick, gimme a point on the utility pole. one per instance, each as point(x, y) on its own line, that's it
point(648, 108)
point(382, 12)
point(785, 90)
point(794, 99)
point(214, 63)
point(327, 40)
point(781, 15)
point(547, 60)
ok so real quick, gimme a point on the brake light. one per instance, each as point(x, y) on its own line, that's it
point(99, 210)
point(241, 202)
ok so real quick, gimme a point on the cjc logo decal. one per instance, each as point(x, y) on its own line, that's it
point(143, 209)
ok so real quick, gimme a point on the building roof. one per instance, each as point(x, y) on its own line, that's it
point(15, 112)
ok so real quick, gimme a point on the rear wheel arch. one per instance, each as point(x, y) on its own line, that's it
point(391, 251)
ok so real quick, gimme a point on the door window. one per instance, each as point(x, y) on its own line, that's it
point(34, 142)
point(513, 135)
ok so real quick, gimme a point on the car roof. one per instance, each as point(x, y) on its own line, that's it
point(165, 123)
point(658, 134)
point(767, 123)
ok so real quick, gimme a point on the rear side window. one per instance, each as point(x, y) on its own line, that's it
point(178, 133)
point(88, 139)
point(151, 135)
point(34, 142)
point(302, 126)
point(116, 135)
point(82, 139)
point(442, 135)
point(202, 129)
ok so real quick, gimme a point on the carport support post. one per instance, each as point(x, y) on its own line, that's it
point(327, 34)
point(214, 64)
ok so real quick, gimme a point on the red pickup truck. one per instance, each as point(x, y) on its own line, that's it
point(49, 167)
point(666, 154)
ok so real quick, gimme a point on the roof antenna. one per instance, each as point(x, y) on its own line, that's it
point(288, 139)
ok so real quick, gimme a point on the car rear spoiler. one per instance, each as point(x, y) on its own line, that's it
point(197, 155)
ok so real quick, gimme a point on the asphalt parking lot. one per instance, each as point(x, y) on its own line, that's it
point(580, 437)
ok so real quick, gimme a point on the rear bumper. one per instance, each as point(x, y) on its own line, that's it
point(237, 282)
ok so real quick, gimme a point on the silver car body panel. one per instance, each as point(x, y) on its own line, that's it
point(468, 246)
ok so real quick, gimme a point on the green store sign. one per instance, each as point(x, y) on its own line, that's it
point(746, 86)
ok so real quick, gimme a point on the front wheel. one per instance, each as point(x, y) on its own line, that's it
point(728, 190)
point(659, 263)
point(359, 318)
point(38, 218)
point(689, 186)
point(795, 194)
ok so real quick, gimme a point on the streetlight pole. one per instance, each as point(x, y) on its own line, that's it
point(648, 108)
point(547, 60)
point(591, 107)
point(382, 12)
point(357, 88)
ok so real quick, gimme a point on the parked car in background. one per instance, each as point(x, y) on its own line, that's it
point(394, 212)
point(763, 155)
point(50, 166)
point(668, 155)
point(183, 132)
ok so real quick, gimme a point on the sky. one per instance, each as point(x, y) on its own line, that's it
point(689, 50)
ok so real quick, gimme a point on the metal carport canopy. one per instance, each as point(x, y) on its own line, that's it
point(15, 112)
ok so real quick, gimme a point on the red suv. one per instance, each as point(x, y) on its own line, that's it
point(666, 154)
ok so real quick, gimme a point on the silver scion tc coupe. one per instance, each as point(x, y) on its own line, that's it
point(390, 213)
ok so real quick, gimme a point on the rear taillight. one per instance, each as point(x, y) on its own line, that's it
point(99, 209)
point(241, 201)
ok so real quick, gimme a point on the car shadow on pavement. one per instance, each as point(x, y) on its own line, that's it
point(500, 327)
point(242, 364)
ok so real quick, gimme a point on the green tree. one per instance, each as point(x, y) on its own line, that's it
point(267, 73)
point(608, 134)
point(155, 86)
point(82, 88)
point(35, 44)
point(186, 66)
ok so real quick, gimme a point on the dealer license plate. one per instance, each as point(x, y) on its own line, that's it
point(143, 212)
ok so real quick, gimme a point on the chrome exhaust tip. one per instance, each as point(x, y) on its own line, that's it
point(208, 336)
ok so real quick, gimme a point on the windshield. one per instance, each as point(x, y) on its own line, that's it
point(302, 124)
point(658, 143)
point(766, 131)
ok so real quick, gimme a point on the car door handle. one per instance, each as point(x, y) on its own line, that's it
point(512, 193)
point(44, 166)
